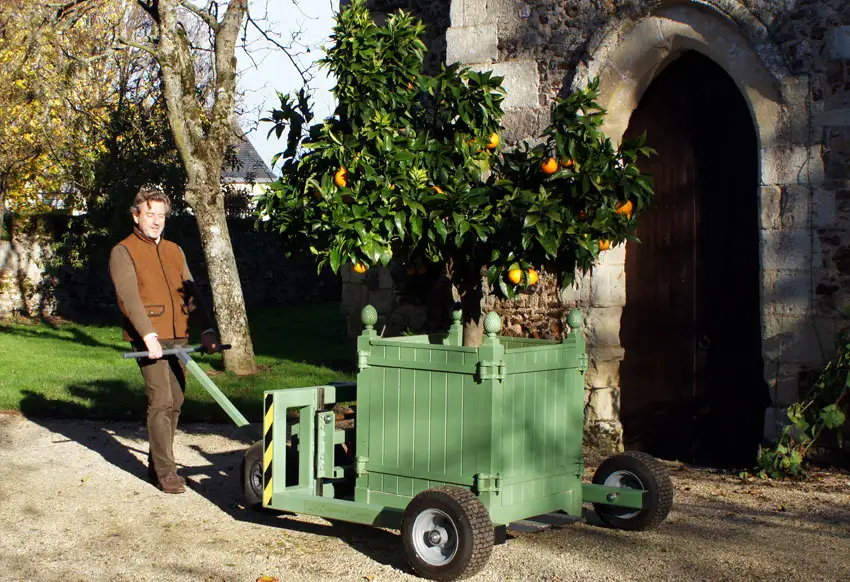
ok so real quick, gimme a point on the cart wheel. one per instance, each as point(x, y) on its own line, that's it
point(635, 470)
point(251, 473)
point(447, 533)
point(252, 476)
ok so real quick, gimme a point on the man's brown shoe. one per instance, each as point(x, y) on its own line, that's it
point(171, 484)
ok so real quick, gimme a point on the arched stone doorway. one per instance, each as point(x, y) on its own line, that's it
point(692, 385)
point(626, 58)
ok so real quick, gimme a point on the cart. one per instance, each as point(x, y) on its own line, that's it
point(450, 444)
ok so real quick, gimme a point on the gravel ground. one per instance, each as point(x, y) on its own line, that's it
point(75, 505)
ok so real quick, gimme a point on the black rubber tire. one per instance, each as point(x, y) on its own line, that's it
point(252, 476)
point(471, 521)
point(652, 476)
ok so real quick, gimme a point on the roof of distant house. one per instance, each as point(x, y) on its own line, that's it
point(250, 163)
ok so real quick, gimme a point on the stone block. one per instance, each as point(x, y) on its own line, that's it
point(469, 12)
point(838, 43)
point(603, 373)
point(524, 124)
point(472, 44)
point(615, 256)
point(793, 123)
point(831, 118)
point(605, 354)
point(521, 83)
point(784, 389)
point(385, 278)
point(796, 341)
point(796, 204)
point(382, 300)
point(786, 249)
point(787, 292)
point(823, 208)
point(603, 326)
point(604, 404)
point(354, 298)
point(608, 286)
point(770, 201)
point(793, 165)
point(577, 293)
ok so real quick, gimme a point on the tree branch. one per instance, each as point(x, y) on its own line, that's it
point(148, 49)
point(283, 48)
point(208, 18)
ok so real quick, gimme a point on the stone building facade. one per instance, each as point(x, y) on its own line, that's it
point(790, 63)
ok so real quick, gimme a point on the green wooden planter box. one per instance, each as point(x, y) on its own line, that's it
point(504, 419)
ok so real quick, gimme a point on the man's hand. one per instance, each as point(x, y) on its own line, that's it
point(209, 341)
point(153, 345)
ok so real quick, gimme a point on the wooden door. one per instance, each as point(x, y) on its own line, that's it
point(692, 383)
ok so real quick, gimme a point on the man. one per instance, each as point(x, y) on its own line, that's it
point(156, 295)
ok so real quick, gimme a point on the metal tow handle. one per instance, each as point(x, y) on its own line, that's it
point(214, 391)
point(178, 351)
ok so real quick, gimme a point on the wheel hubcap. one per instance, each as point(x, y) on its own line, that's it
point(435, 537)
point(256, 478)
point(626, 480)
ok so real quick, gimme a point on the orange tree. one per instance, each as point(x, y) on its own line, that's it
point(410, 168)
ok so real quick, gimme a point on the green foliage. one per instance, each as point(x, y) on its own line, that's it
point(405, 169)
point(819, 411)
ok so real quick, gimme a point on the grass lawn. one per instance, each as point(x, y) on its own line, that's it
point(76, 371)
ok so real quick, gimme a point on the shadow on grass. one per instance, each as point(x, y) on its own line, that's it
point(217, 478)
point(314, 333)
point(59, 332)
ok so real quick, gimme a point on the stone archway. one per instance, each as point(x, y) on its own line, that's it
point(626, 59)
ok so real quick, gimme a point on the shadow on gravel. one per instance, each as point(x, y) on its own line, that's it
point(212, 475)
point(220, 483)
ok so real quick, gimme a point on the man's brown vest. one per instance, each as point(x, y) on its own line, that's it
point(159, 271)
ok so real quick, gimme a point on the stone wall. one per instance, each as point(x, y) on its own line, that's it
point(28, 288)
point(791, 60)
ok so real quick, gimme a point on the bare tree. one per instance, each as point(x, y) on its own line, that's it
point(195, 47)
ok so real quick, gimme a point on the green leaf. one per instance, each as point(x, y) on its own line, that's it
point(335, 259)
point(832, 417)
point(440, 227)
point(416, 225)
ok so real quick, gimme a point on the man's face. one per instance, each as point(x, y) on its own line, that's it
point(151, 219)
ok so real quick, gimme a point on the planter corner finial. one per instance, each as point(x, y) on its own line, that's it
point(574, 319)
point(492, 324)
point(369, 317)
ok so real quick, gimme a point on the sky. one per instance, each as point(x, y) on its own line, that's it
point(267, 69)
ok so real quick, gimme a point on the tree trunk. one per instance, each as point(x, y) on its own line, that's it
point(2, 209)
point(228, 301)
point(202, 146)
point(467, 289)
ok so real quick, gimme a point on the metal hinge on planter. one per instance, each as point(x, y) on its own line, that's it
point(492, 370)
point(488, 483)
point(362, 359)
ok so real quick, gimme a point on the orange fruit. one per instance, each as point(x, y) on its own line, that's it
point(341, 177)
point(360, 268)
point(567, 163)
point(532, 277)
point(604, 245)
point(550, 166)
point(515, 276)
point(317, 195)
point(625, 208)
point(410, 85)
point(438, 190)
point(494, 141)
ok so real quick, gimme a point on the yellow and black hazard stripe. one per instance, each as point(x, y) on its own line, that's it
point(268, 451)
